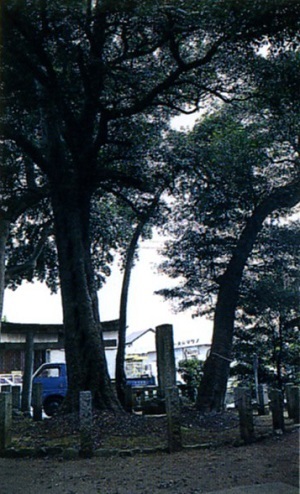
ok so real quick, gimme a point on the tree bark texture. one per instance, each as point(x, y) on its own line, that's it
point(212, 390)
point(85, 356)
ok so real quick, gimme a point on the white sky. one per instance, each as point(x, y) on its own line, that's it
point(33, 303)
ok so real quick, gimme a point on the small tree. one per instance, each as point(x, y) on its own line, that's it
point(191, 371)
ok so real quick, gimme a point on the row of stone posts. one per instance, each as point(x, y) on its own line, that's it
point(11, 402)
point(168, 393)
point(245, 409)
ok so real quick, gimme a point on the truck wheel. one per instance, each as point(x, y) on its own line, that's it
point(52, 405)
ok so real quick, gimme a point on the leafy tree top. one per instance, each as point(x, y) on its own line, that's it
point(93, 71)
point(232, 162)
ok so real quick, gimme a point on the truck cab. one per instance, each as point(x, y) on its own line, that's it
point(54, 379)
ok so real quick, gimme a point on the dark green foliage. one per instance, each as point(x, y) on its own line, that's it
point(225, 173)
point(227, 165)
point(239, 167)
point(88, 88)
point(191, 371)
point(268, 320)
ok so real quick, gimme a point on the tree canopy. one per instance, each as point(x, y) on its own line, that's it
point(268, 316)
point(240, 166)
point(86, 86)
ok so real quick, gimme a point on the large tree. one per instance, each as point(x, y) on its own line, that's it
point(249, 171)
point(98, 77)
point(280, 113)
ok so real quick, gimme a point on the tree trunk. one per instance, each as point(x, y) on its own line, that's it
point(4, 232)
point(28, 370)
point(85, 355)
point(120, 359)
point(212, 390)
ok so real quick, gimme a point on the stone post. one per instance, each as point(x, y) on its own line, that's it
point(292, 401)
point(37, 401)
point(6, 388)
point(295, 395)
point(16, 397)
point(5, 420)
point(165, 358)
point(277, 410)
point(262, 405)
point(167, 384)
point(245, 415)
point(289, 400)
point(86, 420)
point(255, 370)
point(237, 393)
point(173, 419)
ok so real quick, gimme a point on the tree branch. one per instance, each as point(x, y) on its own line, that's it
point(168, 82)
point(30, 263)
point(34, 152)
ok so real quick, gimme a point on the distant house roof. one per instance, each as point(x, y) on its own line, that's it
point(14, 328)
point(110, 325)
point(20, 328)
point(136, 335)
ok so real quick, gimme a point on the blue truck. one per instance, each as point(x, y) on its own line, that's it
point(53, 377)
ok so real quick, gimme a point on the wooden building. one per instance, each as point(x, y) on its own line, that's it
point(48, 339)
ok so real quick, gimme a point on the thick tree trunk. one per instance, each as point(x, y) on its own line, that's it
point(212, 390)
point(85, 356)
point(211, 393)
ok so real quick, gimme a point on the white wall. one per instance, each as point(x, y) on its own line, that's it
point(55, 356)
point(111, 354)
point(144, 344)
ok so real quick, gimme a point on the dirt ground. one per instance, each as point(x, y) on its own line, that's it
point(221, 465)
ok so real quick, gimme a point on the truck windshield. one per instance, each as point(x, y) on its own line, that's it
point(50, 372)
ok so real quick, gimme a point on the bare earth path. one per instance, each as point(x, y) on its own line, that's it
point(275, 459)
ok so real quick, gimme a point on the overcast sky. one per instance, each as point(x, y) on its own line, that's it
point(33, 303)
